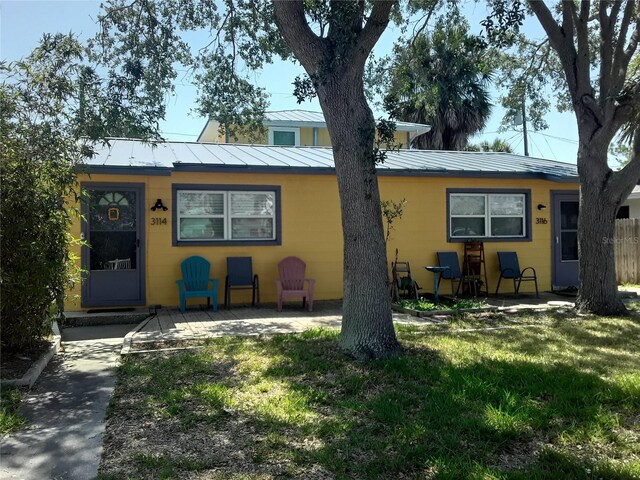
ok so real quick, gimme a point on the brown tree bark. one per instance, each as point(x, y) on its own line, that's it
point(367, 326)
point(337, 65)
point(598, 288)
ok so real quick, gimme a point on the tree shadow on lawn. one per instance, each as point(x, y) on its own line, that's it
point(314, 413)
point(599, 345)
point(421, 414)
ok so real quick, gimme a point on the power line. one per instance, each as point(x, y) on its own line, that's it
point(550, 149)
point(181, 134)
point(569, 140)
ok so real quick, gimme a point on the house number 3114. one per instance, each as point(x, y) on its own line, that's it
point(158, 221)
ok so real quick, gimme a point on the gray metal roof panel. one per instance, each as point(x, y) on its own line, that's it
point(134, 153)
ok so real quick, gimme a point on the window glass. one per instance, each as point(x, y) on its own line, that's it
point(507, 227)
point(487, 215)
point(569, 215)
point(201, 203)
point(569, 245)
point(467, 227)
point(112, 230)
point(202, 229)
point(284, 138)
point(252, 204)
point(226, 215)
point(251, 228)
point(467, 204)
point(507, 204)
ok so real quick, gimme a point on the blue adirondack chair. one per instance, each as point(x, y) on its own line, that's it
point(195, 282)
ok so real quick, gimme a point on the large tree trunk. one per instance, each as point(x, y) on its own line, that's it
point(336, 62)
point(598, 291)
point(367, 326)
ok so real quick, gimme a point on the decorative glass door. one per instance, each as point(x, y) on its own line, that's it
point(113, 257)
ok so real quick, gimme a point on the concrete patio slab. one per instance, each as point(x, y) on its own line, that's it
point(170, 327)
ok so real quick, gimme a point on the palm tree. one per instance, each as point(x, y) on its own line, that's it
point(442, 80)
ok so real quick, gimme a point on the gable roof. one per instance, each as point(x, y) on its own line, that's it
point(309, 118)
point(135, 156)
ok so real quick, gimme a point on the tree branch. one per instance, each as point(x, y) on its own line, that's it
point(305, 45)
point(583, 58)
point(606, 47)
point(626, 179)
point(376, 24)
point(622, 56)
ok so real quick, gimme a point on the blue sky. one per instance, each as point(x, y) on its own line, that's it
point(22, 22)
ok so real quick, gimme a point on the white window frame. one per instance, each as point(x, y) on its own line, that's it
point(227, 234)
point(487, 214)
point(295, 130)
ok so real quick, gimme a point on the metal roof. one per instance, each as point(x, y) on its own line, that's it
point(316, 119)
point(135, 155)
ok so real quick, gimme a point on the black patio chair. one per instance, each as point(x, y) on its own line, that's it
point(240, 276)
point(450, 260)
point(510, 268)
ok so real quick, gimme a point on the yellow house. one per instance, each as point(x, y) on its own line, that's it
point(150, 207)
point(299, 128)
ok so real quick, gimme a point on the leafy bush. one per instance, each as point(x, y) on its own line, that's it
point(39, 151)
point(54, 108)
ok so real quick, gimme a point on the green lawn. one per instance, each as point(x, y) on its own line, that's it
point(558, 400)
point(10, 419)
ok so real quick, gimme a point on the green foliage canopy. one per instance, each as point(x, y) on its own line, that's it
point(54, 108)
point(439, 78)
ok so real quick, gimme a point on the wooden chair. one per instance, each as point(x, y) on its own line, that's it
point(240, 276)
point(510, 268)
point(292, 282)
point(195, 282)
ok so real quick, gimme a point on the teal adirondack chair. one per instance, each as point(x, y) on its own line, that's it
point(195, 282)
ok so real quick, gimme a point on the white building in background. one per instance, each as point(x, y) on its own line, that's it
point(631, 208)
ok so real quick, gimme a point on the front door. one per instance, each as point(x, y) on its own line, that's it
point(565, 239)
point(113, 258)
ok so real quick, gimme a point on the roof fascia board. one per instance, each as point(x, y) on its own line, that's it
point(124, 170)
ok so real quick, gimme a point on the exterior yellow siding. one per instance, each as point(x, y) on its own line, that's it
point(311, 229)
point(211, 135)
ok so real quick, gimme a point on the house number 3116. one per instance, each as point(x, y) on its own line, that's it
point(541, 221)
point(158, 221)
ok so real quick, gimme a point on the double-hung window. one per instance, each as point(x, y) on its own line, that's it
point(499, 215)
point(237, 215)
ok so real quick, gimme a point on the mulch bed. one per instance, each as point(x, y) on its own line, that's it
point(15, 364)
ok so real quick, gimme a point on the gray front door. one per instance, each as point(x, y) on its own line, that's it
point(113, 257)
point(565, 239)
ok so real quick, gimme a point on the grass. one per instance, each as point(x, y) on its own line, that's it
point(424, 305)
point(10, 420)
point(557, 400)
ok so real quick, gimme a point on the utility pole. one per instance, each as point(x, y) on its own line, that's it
point(524, 129)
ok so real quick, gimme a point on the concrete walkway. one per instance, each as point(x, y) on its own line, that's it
point(65, 410)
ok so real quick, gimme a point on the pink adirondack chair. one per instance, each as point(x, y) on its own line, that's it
point(292, 282)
